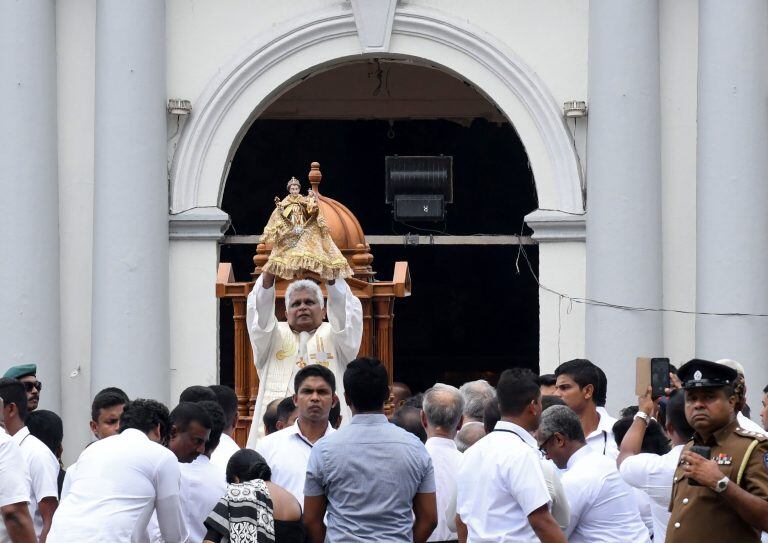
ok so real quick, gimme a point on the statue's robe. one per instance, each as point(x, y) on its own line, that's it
point(279, 352)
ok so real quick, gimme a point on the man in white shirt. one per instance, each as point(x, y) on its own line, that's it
point(287, 451)
point(442, 409)
point(280, 349)
point(653, 473)
point(121, 480)
point(502, 495)
point(16, 523)
point(42, 466)
point(227, 399)
point(603, 506)
point(579, 385)
point(740, 390)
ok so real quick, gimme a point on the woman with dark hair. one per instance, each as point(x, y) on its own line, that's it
point(254, 510)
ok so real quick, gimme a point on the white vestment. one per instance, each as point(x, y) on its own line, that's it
point(279, 352)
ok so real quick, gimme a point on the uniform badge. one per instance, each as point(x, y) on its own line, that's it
point(723, 459)
point(697, 375)
point(765, 460)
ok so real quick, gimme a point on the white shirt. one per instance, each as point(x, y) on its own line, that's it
point(15, 486)
point(119, 482)
point(202, 485)
point(287, 454)
point(653, 475)
point(749, 424)
point(446, 460)
point(224, 451)
point(601, 440)
point(43, 469)
point(603, 506)
point(500, 483)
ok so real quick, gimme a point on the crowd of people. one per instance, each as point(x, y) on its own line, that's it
point(347, 456)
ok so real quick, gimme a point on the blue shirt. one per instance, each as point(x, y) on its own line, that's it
point(369, 472)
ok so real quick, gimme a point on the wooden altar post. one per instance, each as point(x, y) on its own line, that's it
point(377, 299)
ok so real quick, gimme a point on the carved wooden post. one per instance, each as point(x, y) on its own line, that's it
point(242, 350)
point(384, 332)
point(366, 345)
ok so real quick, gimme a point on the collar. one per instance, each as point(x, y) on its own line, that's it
point(133, 433)
point(369, 418)
point(441, 443)
point(578, 455)
point(605, 424)
point(721, 435)
point(295, 430)
point(519, 430)
point(19, 436)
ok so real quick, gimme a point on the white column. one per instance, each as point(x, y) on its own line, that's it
point(76, 47)
point(29, 206)
point(732, 186)
point(194, 257)
point(623, 190)
point(130, 332)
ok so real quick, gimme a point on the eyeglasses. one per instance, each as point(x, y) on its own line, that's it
point(29, 385)
point(543, 446)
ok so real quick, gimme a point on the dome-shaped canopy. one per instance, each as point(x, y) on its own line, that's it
point(346, 231)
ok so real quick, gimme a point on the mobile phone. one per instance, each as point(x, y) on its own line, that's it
point(653, 372)
point(704, 452)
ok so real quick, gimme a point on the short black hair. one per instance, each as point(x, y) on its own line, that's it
point(47, 427)
point(517, 387)
point(186, 413)
point(583, 372)
point(247, 465)
point(765, 389)
point(548, 400)
point(601, 393)
point(285, 409)
point(314, 370)
point(197, 393)
point(491, 415)
point(270, 417)
point(417, 401)
point(144, 415)
point(216, 414)
point(655, 441)
point(105, 400)
point(547, 380)
point(629, 411)
point(13, 391)
point(366, 384)
point(115, 390)
point(675, 415)
point(409, 419)
point(228, 401)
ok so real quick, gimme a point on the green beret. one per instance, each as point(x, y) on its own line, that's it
point(17, 372)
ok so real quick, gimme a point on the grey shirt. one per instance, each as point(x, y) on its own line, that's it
point(369, 472)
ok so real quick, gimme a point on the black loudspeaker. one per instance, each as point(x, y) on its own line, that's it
point(419, 207)
point(419, 187)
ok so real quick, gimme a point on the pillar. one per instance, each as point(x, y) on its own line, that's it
point(732, 192)
point(623, 190)
point(130, 322)
point(29, 206)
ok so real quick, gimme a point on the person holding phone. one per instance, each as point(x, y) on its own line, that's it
point(720, 487)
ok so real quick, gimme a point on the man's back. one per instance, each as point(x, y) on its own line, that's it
point(603, 506)
point(15, 486)
point(43, 471)
point(369, 471)
point(500, 483)
point(119, 482)
point(203, 484)
point(446, 460)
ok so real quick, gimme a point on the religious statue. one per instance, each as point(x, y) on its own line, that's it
point(300, 238)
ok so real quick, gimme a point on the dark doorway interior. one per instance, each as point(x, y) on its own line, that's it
point(471, 314)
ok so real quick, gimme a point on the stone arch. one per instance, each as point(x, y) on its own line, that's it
point(272, 63)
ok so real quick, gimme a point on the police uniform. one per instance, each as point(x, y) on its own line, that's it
point(699, 513)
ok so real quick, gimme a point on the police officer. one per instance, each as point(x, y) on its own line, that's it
point(723, 496)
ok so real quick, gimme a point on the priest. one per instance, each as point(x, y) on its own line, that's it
point(281, 349)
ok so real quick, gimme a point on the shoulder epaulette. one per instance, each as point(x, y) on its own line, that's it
point(751, 434)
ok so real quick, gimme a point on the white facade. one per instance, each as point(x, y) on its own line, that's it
point(102, 138)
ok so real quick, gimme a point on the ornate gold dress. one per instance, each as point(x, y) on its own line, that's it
point(301, 240)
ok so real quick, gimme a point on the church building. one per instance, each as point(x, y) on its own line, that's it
point(609, 167)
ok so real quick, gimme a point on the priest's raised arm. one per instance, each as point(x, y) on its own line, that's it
point(280, 349)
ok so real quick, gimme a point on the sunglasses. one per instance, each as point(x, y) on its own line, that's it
point(29, 385)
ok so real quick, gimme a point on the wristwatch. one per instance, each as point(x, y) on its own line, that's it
point(721, 485)
point(641, 415)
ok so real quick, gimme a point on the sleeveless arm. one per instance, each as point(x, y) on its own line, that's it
point(261, 321)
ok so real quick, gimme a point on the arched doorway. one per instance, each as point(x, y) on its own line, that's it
point(482, 315)
point(271, 64)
